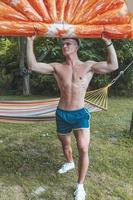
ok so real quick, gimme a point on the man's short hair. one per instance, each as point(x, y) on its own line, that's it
point(76, 39)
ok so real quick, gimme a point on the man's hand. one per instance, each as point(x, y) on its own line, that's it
point(111, 64)
point(31, 39)
point(105, 39)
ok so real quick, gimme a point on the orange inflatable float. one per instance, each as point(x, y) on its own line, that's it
point(65, 18)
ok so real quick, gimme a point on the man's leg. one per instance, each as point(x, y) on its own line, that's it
point(67, 150)
point(83, 138)
point(66, 146)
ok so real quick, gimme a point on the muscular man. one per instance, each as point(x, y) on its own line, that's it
point(73, 78)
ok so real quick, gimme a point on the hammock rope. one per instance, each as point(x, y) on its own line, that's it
point(99, 97)
point(121, 73)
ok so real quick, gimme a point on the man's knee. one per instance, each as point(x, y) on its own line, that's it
point(65, 143)
point(65, 140)
point(83, 149)
point(83, 146)
point(67, 147)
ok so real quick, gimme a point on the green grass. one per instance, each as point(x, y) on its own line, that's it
point(30, 155)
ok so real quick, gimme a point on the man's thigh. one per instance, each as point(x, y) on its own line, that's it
point(82, 136)
point(65, 139)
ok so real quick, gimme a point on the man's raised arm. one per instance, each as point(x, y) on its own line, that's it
point(32, 62)
point(111, 64)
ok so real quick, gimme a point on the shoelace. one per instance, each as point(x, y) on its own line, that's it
point(64, 166)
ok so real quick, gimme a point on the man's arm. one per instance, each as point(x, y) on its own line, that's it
point(106, 66)
point(32, 62)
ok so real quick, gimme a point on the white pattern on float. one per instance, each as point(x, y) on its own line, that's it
point(41, 1)
point(27, 8)
point(53, 30)
point(15, 2)
point(4, 27)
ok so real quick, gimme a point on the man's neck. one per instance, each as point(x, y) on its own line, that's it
point(72, 59)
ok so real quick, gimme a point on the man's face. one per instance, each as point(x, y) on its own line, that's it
point(69, 46)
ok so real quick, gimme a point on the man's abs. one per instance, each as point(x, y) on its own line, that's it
point(72, 97)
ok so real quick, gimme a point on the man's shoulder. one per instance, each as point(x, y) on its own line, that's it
point(90, 62)
point(56, 64)
point(88, 65)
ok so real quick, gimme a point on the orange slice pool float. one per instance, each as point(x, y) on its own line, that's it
point(66, 18)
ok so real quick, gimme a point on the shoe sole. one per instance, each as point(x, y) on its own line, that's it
point(66, 171)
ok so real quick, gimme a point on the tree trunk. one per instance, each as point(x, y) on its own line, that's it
point(23, 69)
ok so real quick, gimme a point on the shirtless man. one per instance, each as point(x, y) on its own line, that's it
point(73, 78)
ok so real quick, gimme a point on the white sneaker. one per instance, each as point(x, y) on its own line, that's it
point(66, 167)
point(79, 194)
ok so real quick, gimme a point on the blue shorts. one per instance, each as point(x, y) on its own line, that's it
point(67, 121)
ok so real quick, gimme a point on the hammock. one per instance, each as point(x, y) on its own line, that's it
point(29, 111)
point(44, 110)
point(66, 18)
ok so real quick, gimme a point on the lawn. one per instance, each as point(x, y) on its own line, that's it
point(30, 155)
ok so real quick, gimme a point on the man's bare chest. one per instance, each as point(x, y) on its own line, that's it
point(72, 74)
point(77, 79)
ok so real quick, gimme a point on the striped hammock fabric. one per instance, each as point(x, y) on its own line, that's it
point(32, 111)
point(26, 111)
point(44, 110)
point(29, 111)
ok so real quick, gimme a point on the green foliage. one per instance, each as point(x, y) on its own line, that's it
point(8, 50)
point(91, 50)
point(9, 56)
point(48, 50)
point(43, 85)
